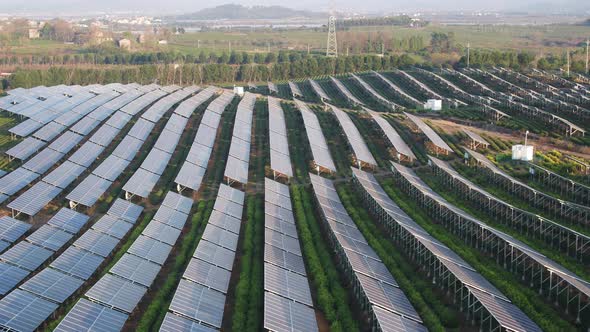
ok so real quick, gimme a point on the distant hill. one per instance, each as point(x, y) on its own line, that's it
point(239, 12)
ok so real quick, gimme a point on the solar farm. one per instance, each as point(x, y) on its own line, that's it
point(322, 204)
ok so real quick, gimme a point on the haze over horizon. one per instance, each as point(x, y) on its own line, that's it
point(156, 7)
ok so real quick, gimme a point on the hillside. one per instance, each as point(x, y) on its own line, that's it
point(239, 12)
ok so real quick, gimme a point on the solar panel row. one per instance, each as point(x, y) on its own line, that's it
point(316, 139)
point(430, 133)
point(369, 274)
point(392, 135)
point(398, 90)
point(319, 90)
point(454, 264)
point(359, 147)
point(280, 160)
point(345, 92)
point(375, 94)
point(199, 300)
point(236, 168)
point(295, 91)
point(144, 179)
point(288, 305)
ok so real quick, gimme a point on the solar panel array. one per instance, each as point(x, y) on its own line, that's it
point(369, 274)
point(144, 179)
point(288, 305)
point(516, 245)
point(476, 137)
point(51, 287)
point(319, 90)
point(40, 194)
point(375, 94)
point(359, 147)
point(317, 141)
point(295, 91)
point(345, 92)
point(199, 300)
point(280, 160)
point(429, 132)
point(392, 135)
point(507, 314)
point(236, 168)
point(572, 212)
point(129, 279)
point(193, 169)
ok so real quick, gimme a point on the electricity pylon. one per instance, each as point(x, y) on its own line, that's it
point(332, 48)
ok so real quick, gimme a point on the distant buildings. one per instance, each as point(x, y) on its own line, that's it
point(34, 33)
point(125, 44)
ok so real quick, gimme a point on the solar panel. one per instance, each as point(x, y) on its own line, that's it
point(221, 237)
point(128, 148)
point(104, 136)
point(175, 323)
point(49, 131)
point(89, 316)
point(34, 200)
point(390, 322)
point(318, 90)
point(141, 183)
point(387, 296)
point(315, 137)
point(23, 311)
point(176, 124)
point(287, 284)
point(161, 232)
point(210, 119)
point(150, 249)
point(25, 128)
point(281, 314)
point(3, 245)
point(178, 202)
point(284, 259)
point(86, 154)
point(279, 212)
point(25, 149)
point(294, 89)
point(141, 129)
point(225, 221)
point(207, 274)
point(392, 135)
point(240, 150)
point(119, 120)
point(97, 242)
point(50, 237)
point(344, 90)
point(190, 176)
point(136, 269)
point(125, 210)
point(430, 134)
point(167, 141)
point(231, 194)
point(236, 170)
point(89, 190)
point(112, 226)
point(26, 255)
point(116, 292)
point(171, 217)
point(206, 136)
point(77, 262)
point(10, 275)
point(156, 161)
point(64, 175)
point(282, 241)
point(199, 303)
point(53, 285)
point(66, 142)
point(199, 155)
point(280, 226)
point(85, 126)
point(111, 168)
point(228, 207)
point(12, 229)
point(215, 254)
point(277, 199)
point(355, 139)
point(43, 161)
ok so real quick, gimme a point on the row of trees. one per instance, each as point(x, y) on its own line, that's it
point(206, 73)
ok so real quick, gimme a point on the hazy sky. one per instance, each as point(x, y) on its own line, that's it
point(183, 6)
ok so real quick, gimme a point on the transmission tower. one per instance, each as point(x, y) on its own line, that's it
point(332, 48)
point(468, 46)
point(568, 63)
